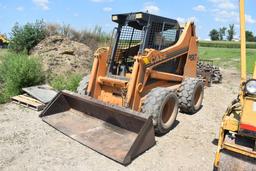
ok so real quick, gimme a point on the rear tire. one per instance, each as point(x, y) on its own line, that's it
point(190, 95)
point(81, 89)
point(163, 105)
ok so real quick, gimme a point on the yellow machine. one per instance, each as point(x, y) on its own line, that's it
point(3, 41)
point(237, 140)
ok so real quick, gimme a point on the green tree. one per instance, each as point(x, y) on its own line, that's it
point(24, 38)
point(222, 32)
point(231, 32)
point(214, 35)
point(249, 36)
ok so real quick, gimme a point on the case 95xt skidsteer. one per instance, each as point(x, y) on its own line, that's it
point(135, 89)
point(237, 139)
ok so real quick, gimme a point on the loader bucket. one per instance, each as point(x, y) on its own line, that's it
point(116, 132)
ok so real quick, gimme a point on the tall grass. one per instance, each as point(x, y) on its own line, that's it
point(66, 82)
point(18, 71)
point(3, 52)
point(91, 37)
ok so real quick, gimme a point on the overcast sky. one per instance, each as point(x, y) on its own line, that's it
point(81, 14)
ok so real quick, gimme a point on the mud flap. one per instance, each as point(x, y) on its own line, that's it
point(116, 132)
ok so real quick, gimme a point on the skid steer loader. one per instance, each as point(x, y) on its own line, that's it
point(237, 139)
point(135, 89)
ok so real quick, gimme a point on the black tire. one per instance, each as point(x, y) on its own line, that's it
point(217, 77)
point(81, 89)
point(191, 93)
point(163, 105)
point(215, 168)
point(209, 82)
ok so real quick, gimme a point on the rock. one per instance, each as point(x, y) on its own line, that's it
point(60, 55)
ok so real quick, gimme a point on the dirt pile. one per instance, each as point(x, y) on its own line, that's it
point(61, 55)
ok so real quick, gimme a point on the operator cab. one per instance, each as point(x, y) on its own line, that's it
point(136, 32)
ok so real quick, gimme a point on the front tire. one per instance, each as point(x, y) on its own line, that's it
point(191, 93)
point(163, 105)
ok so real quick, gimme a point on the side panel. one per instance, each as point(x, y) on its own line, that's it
point(248, 118)
point(179, 59)
point(192, 59)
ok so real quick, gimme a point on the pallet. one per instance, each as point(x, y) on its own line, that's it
point(29, 102)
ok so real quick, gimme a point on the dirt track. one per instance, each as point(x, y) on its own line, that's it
point(27, 143)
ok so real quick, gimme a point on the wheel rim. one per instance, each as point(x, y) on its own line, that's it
point(169, 109)
point(198, 97)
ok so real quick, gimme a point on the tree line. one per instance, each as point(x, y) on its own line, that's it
point(224, 33)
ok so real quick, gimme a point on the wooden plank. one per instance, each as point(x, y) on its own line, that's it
point(28, 102)
point(27, 99)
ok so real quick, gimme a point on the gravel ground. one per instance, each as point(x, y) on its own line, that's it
point(27, 143)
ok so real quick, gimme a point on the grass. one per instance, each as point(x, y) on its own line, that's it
point(3, 52)
point(64, 82)
point(91, 37)
point(228, 57)
point(226, 44)
point(18, 71)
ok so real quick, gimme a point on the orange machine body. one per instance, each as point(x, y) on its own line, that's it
point(146, 71)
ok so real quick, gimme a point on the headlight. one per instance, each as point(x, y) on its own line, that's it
point(114, 17)
point(139, 16)
point(250, 87)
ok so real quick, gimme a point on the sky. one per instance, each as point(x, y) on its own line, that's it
point(86, 14)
